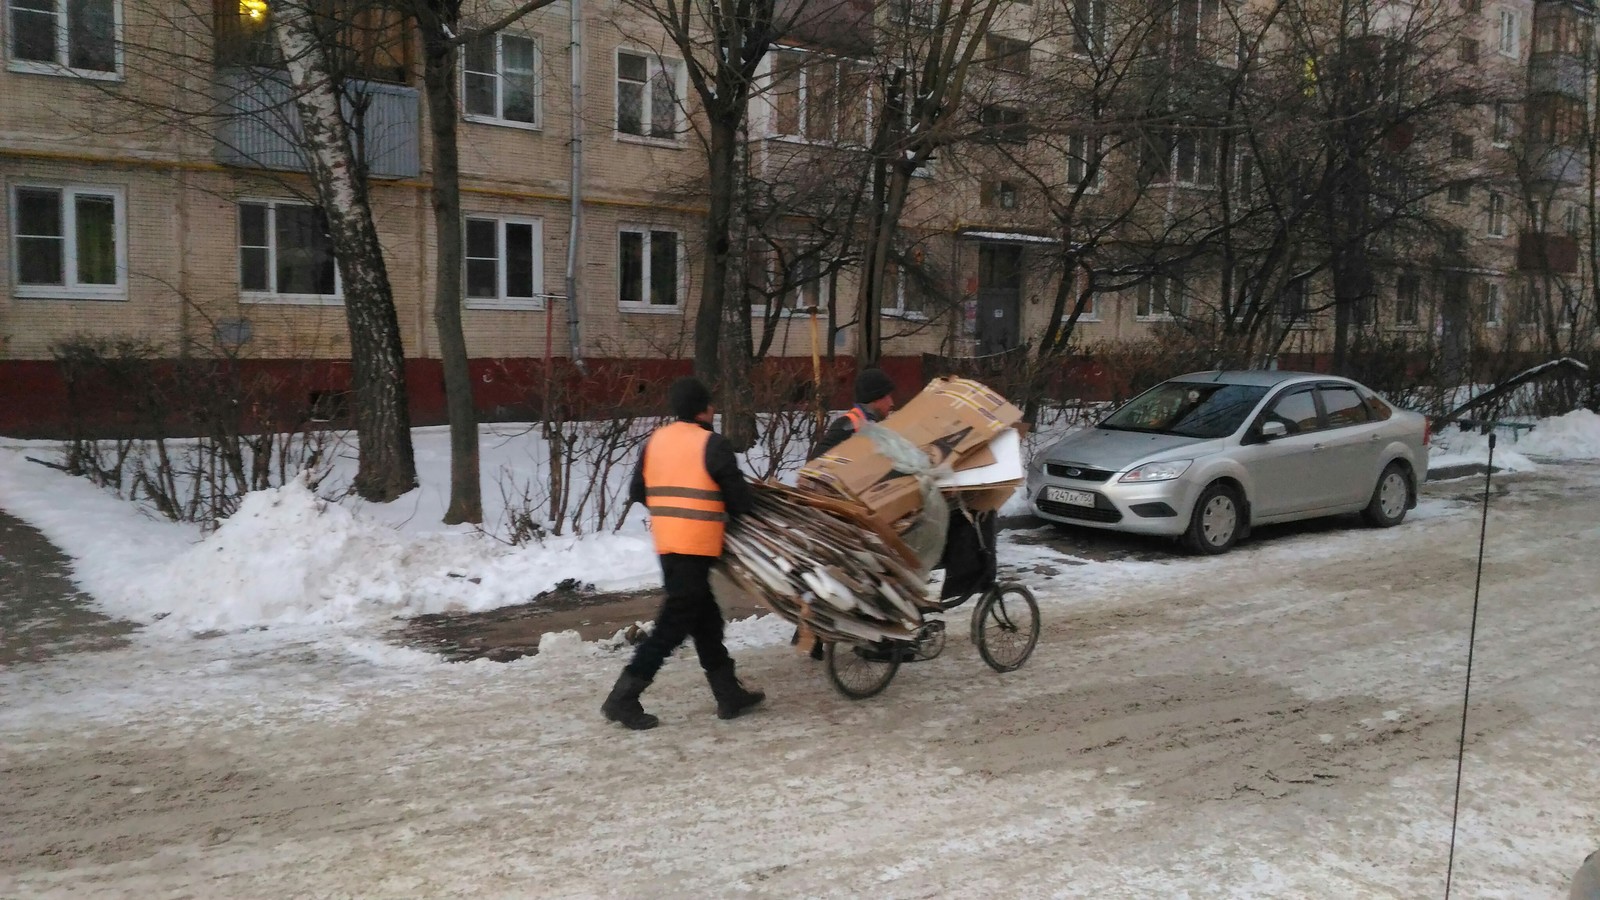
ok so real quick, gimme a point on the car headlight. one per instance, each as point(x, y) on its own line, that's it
point(1158, 471)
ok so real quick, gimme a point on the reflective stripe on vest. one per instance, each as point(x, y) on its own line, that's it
point(687, 514)
point(858, 419)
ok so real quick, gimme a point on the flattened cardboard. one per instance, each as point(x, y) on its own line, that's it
point(951, 420)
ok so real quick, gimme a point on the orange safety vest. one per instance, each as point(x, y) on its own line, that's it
point(687, 514)
point(858, 419)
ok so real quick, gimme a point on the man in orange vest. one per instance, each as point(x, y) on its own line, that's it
point(874, 401)
point(691, 483)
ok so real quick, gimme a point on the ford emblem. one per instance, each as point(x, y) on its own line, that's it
point(1074, 473)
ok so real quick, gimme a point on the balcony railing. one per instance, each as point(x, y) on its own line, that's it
point(1539, 251)
point(260, 128)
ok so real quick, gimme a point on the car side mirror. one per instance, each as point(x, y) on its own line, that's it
point(1271, 431)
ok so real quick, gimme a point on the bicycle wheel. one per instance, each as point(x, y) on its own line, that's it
point(1005, 626)
point(859, 672)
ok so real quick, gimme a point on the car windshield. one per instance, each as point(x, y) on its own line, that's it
point(1190, 409)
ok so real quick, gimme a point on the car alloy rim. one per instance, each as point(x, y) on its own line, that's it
point(1219, 520)
point(1393, 496)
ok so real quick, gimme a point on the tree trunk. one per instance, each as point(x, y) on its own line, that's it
point(721, 168)
point(439, 83)
point(386, 467)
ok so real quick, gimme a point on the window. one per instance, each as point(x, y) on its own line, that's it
point(999, 195)
point(1467, 51)
point(1297, 412)
point(285, 252)
point(1196, 28)
point(1407, 299)
point(1084, 161)
point(787, 278)
point(1197, 159)
point(1497, 215)
point(373, 41)
point(819, 98)
point(1008, 54)
point(1573, 219)
point(1491, 303)
point(647, 96)
point(1459, 192)
point(1244, 177)
point(504, 262)
point(1343, 406)
point(1510, 33)
point(649, 269)
point(242, 32)
point(65, 36)
point(1529, 306)
point(1554, 119)
point(1460, 146)
point(1162, 297)
point(1471, 6)
point(916, 13)
point(501, 80)
point(1502, 124)
point(1293, 304)
point(1088, 25)
point(1004, 124)
point(910, 292)
point(67, 242)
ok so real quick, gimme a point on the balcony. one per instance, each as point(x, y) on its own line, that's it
point(260, 127)
point(1538, 251)
point(1555, 163)
point(1556, 73)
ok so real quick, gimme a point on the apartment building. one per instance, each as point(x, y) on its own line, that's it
point(154, 191)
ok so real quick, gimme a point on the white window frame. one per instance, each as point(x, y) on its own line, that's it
point(1215, 168)
point(273, 296)
point(654, 63)
point(772, 271)
point(1493, 303)
point(899, 311)
point(803, 105)
point(1573, 219)
point(1091, 38)
point(644, 305)
point(1510, 42)
point(536, 303)
point(1174, 297)
point(63, 47)
point(1502, 126)
point(1415, 282)
point(69, 289)
point(1449, 195)
point(1087, 157)
point(499, 90)
point(1497, 216)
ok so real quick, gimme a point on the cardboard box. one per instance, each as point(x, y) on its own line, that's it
point(952, 420)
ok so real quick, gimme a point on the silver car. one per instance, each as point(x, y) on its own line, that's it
point(1206, 456)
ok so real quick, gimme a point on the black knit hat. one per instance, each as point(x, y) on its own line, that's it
point(688, 398)
point(873, 384)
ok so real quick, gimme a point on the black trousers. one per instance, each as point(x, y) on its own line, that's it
point(688, 612)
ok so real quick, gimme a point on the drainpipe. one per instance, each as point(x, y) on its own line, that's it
point(575, 187)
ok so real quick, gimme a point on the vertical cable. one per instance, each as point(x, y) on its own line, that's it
point(1466, 694)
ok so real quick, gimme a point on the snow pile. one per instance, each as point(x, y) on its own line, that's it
point(1575, 435)
point(288, 557)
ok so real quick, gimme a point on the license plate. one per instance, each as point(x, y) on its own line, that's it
point(1063, 495)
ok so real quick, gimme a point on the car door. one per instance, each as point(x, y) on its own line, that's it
point(1283, 471)
point(1350, 445)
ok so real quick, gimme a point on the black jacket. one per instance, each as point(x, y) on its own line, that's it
point(723, 467)
point(841, 430)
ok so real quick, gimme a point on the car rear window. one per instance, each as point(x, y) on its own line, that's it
point(1376, 408)
point(1343, 406)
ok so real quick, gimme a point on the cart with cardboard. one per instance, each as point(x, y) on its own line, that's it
point(870, 519)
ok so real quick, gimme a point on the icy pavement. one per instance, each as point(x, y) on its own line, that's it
point(1277, 722)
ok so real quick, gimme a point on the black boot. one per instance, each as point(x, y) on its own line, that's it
point(623, 704)
point(732, 696)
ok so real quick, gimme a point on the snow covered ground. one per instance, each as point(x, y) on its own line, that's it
point(1280, 722)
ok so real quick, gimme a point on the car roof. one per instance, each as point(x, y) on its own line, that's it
point(1255, 377)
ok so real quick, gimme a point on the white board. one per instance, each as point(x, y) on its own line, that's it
point(1007, 465)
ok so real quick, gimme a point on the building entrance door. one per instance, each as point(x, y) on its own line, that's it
point(999, 298)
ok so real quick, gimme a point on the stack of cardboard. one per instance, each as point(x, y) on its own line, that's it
point(826, 567)
point(958, 423)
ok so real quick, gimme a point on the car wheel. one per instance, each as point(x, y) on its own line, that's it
point(1387, 508)
point(1217, 520)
